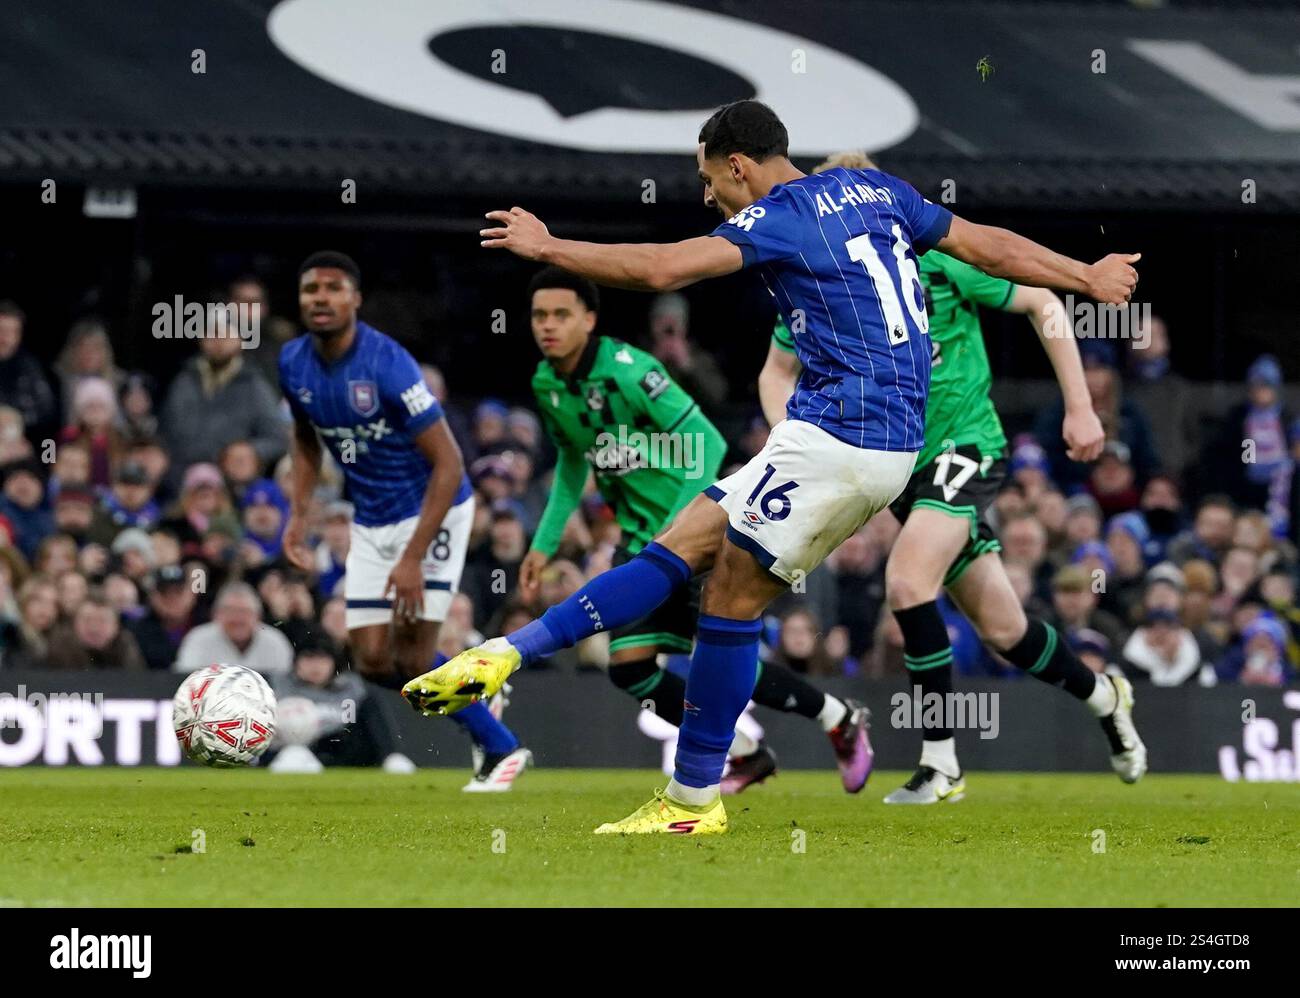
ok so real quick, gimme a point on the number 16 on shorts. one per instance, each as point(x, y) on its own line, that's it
point(775, 502)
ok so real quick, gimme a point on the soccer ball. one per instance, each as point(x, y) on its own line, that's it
point(224, 715)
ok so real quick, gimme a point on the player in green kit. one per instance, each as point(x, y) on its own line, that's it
point(945, 539)
point(611, 409)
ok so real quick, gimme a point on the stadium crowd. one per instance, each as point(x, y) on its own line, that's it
point(140, 524)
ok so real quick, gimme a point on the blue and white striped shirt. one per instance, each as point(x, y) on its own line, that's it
point(837, 251)
point(368, 407)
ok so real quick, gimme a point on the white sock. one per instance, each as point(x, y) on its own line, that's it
point(1103, 699)
point(693, 796)
point(741, 745)
point(941, 755)
point(500, 646)
point(833, 713)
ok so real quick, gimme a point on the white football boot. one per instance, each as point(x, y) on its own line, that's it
point(1128, 756)
point(497, 773)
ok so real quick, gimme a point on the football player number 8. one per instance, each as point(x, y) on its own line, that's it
point(861, 251)
point(775, 503)
point(440, 549)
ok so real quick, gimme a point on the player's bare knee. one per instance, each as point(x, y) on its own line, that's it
point(696, 533)
point(904, 590)
point(1001, 631)
point(738, 587)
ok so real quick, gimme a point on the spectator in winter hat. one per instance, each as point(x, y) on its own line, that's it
point(172, 613)
point(94, 415)
point(264, 510)
point(1112, 481)
point(1163, 652)
point(133, 548)
point(203, 505)
point(150, 454)
point(1029, 466)
point(130, 503)
point(1250, 457)
point(1125, 536)
point(489, 424)
point(1092, 647)
point(1093, 556)
point(1083, 520)
point(1165, 585)
point(524, 430)
point(1260, 657)
point(23, 504)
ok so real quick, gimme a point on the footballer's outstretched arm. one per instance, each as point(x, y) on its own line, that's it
point(1081, 429)
point(406, 581)
point(1003, 253)
point(637, 266)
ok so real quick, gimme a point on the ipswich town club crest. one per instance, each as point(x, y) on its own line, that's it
point(364, 397)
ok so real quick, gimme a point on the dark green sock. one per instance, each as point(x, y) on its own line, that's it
point(1045, 655)
point(656, 688)
point(927, 653)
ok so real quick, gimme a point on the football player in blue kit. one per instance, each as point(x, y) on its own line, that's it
point(359, 393)
point(838, 253)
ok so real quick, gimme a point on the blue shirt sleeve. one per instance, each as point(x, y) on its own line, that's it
point(766, 231)
point(286, 389)
point(403, 392)
point(927, 221)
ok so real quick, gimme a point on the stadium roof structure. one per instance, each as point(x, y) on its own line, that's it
point(1066, 104)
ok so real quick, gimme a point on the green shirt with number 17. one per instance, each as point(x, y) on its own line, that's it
point(958, 410)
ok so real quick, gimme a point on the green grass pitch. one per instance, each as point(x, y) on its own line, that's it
point(351, 837)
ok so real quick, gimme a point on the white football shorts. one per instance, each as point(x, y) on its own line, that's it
point(374, 553)
point(804, 494)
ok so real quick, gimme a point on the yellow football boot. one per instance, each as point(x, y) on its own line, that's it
point(471, 676)
point(663, 815)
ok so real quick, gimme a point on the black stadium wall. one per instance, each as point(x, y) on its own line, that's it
point(181, 159)
point(581, 720)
